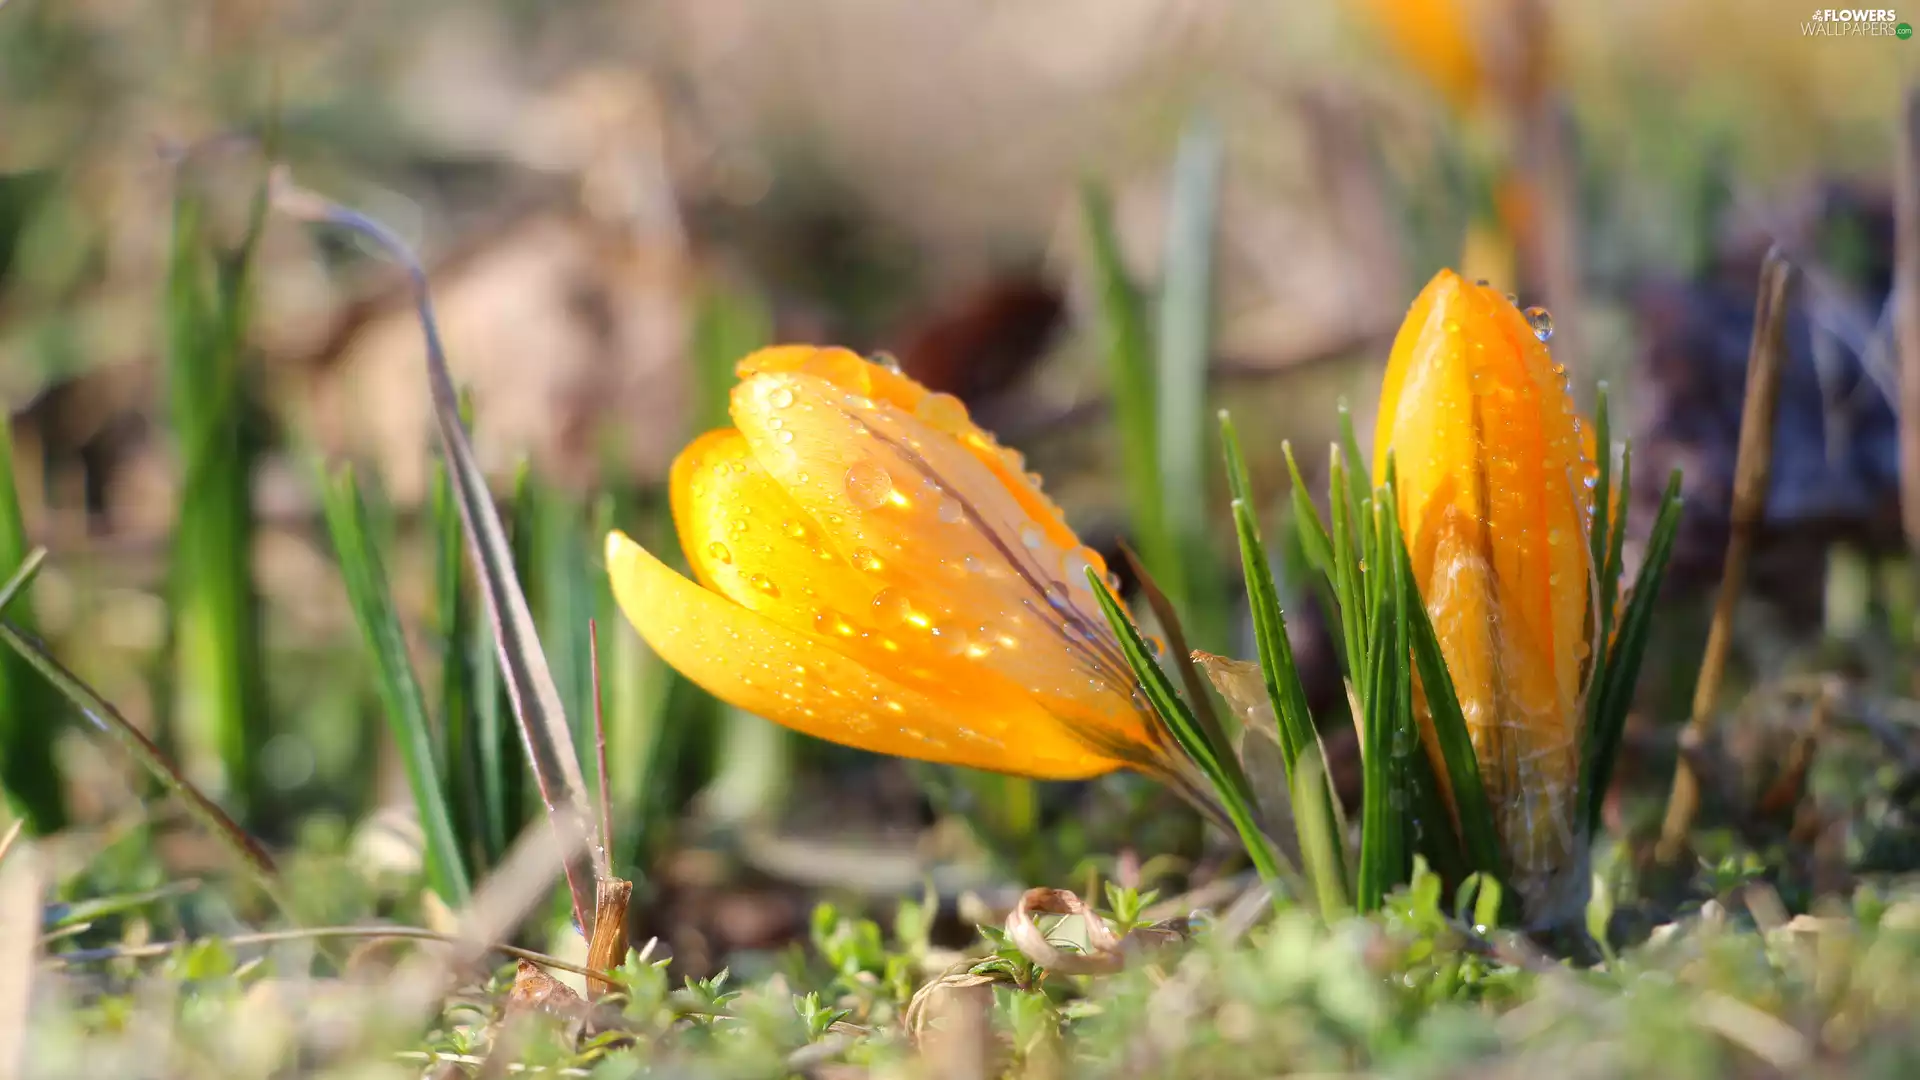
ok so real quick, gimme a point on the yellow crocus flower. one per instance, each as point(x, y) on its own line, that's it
point(1493, 496)
point(875, 570)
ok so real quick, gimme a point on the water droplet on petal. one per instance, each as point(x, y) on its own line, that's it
point(1542, 322)
point(783, 437)
point(886, 360)
point(719, 553)
point(1030, 535)
point(794, 530)
point(943, 412)
point(949, 639)
point(868, 485)
point(780, 397)
point(949, 510)
point(737, 528)
point(866, 559)
point(891, 606)
point(1057, 596)
point(1077, 563)
point(974, 565)
point(764, 584)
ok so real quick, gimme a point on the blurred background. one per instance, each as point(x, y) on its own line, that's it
point(617, 200)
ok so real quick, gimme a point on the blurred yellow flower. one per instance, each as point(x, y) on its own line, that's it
point(1494, 498)
point(874, 570)
point(1438, 39)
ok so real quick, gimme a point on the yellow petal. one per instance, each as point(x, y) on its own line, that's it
point(1493, 499)
point(954, 538)
point(762, 667)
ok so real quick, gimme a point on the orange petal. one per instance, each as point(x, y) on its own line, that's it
point(764, 668)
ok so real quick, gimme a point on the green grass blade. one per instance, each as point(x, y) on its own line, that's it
point(1319, 835)
point(1347, 580)
point(755, 757)
point(1629, 649)
point(1127, 344)
point(1184, 341)
point(457, 746)
point(1216, 762)
point(218, 710)
point(1282, 676)
point(1477, 836)
point(102, 715)
point(1379, 818)
point(405, 704)
point(1315, 543)
point(1599, 542)
point(28, 708)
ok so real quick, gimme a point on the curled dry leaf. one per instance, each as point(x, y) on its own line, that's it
point(1103, 955)
point(535, 991)
point(1243, 686)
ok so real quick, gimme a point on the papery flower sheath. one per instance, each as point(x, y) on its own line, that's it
point(1493, 496)
point(875, 570)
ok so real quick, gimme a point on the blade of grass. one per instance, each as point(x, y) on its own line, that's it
point(28, 707)
point(755, 757)
point(1216, 762)
point(102, 715)
point(457, 743)
point(1284, 689)
point(1629, 648)
point(405, 705)
point(218, 712)
point(1126, 341)
point(1600, 540)
point(1184, 345)
point(1471, 812)
point(529, 680)
point(1752, 468)
point(1177, 645)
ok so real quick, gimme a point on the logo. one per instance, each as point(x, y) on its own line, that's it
point(1855, 22)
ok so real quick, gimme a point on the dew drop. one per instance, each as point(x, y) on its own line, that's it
point(886, 360)
point(719, 553)
point(780, 397)
point(868, 485)
point(794, 530)
point(867, 559)
point(764, 584)
point(1451, 326)
point(1580, 650)
point(1542, 322)
point(775, 423)
point(891, 606)
point(1030, 535)
point(783, 437)
point(974, 565)
point(949, 511)
point(1057, 596)
point(841, 368)
point(950, 640)
point(737, 528)
point(942, 411)
point(1077, 563)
